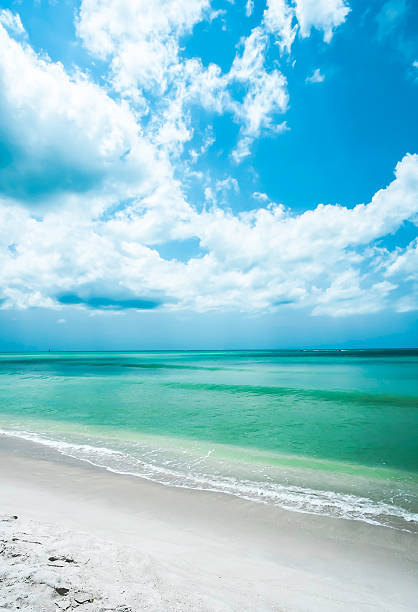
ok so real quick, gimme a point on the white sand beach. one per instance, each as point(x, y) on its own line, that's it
point(88, 539)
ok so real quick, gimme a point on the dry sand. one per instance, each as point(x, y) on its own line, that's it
point(88, 539)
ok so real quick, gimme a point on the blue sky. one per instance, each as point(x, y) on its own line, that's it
point(188, 173)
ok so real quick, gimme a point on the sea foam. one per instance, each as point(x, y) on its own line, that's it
point(154, 465)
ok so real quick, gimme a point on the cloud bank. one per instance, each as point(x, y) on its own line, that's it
point(94, 180)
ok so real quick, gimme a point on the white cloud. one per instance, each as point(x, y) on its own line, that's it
point(263, 197)
point(11, 21)
point(219, 192)
point(266, 97)
point(140, 37)
point(251, 61)
point(315, 77)
point(285, 19)
point(63, 135)
point(254, 261)
point(266, 93)
point(141, 40)
point(346, 296)
point(408, 303)
point(249, 7)
point(104, 179)
point(278, 18)
point(404, 262)
point(325, 15)
point(208, 139)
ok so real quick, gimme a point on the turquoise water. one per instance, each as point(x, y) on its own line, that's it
point(331, 432)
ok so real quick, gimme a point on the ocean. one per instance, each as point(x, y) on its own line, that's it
point(322, 432)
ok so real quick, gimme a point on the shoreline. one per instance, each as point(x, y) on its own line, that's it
point(269, 558)
point(307, 493)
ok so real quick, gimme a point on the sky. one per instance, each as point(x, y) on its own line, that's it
point(208, 174)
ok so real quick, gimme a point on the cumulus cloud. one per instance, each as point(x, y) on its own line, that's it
point(142, 42)
point(325, 15)
point(140, 37)
point(103, 170)
point(285, 19)
point(63, 134)
point(260, 260)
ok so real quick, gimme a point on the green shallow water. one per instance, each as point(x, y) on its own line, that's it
point(340, 422)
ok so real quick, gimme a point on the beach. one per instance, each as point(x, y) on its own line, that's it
point(205, 480)
point(88, 539)
point(208, 306)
